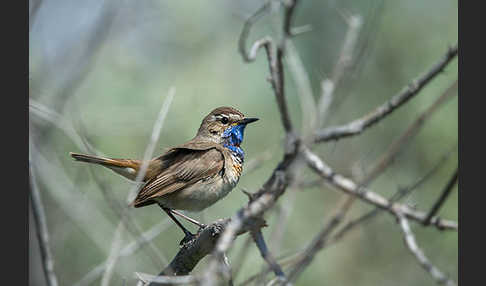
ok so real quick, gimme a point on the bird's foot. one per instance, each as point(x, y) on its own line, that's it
point(201, 227)
point(187, 238)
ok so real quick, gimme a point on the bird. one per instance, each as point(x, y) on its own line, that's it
point(191, 176)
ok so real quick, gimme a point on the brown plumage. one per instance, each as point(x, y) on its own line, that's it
point(202, 166)
point(191, 176)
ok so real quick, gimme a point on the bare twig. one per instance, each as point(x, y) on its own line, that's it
point(245, 32)
point(445, 193)
point(76, 207)
point(127, 250)
point(114, 252)
point(397, 145)
point(149, 150)
point(43, 112)
point(366, 42)
point(359, 125)
point(402, 192)
point(166, 280)
point(280, 179)
point(257, 236)
point(241, 257)
point(310, 251)
point(321, 240)
point(61, 122)
point(351, 188)
point(276, 185)
point(130, 223)
point(409, 237)
point(304, 88)
point(201, 245)
point(85, 59)
point(41, 230)
point(113, 257)
point(263, 200)
point(344, 62)
point(281, 223)
point(274, 56)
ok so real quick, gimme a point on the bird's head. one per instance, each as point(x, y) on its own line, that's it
point(224, 125)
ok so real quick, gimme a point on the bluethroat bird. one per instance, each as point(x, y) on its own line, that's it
point(191, 176)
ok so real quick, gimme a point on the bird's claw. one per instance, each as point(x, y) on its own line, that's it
point(188, 237)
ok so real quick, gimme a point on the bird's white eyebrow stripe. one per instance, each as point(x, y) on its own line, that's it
point(231, 115)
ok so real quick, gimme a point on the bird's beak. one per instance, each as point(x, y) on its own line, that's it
point(247, 120)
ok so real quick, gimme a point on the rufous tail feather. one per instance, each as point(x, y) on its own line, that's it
point(125, 167)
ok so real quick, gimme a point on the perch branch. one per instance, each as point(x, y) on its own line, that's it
point(166, 280)
point(201, 245)
point(278, 182)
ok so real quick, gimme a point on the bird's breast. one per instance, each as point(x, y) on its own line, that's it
point(233, 172)
point(207, 191)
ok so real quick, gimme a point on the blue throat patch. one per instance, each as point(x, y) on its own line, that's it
point(233, 137)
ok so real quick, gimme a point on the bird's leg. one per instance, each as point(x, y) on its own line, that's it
point(201, 225)
point(187, 234)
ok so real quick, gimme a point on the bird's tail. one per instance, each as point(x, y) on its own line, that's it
point(125, 167)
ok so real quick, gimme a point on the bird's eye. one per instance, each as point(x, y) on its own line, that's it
point(224, 120)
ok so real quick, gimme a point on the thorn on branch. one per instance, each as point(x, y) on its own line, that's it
point(251, 196)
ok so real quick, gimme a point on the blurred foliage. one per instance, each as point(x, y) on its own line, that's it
point(192, 45)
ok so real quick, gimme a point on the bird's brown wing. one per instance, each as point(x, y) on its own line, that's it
point(181, 167)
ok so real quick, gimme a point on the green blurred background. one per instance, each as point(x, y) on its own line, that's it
point(106, 68)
